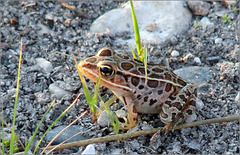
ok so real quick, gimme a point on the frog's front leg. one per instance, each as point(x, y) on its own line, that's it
point(131, 119)
point(178, 105)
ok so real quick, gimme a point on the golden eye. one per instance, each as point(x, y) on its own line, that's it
point(106, 70)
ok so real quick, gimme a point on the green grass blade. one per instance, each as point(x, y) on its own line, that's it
point(15, 104)
point(85, 88)
point(36, 130)
point(133, 53)
point(94, 99)
point(63, 113)
point(145, 62)
point(2, 135)
point(136, 31)
point(111, 115)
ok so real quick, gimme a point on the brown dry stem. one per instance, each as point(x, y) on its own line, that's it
point(120, 137)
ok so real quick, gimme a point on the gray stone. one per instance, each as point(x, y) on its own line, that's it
point(156, 23)
point(218, 40)
point(57, 91)
point(175, 53)
point(197, 60)
point(199, 7)
point(103, 119)
point(69, 132)
point(206, 23)
point(195, 74)
point(44, 64)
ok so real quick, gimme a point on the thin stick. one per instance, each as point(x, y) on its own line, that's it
point(143, 133)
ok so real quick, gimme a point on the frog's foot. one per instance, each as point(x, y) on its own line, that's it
point(130, 120)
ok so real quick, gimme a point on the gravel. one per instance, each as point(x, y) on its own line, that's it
point(54, 32)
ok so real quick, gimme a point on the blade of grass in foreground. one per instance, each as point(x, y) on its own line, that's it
point(35, 132)
point(111, 115)
point(63, 113)
point(137, 35)
point(92, 101)
point(2, 135)
point(145, 62)
point(15, 104)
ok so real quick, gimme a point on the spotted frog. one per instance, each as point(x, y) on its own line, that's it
point(162, 92)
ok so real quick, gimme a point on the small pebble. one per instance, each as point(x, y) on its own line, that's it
point(237, 99)
point(218, 40)
point(90, 149)
point(175, 53)
point(199, 104)
point(103, 119)
point(214, 58)
point(44, 64)
point(206, 23)
point(57, 91)
point(197, 60)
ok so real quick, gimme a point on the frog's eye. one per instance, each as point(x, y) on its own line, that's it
point(107, 70)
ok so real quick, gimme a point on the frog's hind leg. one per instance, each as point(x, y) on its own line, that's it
point(179, 105)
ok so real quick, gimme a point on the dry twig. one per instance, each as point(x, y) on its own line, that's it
point(143, 133)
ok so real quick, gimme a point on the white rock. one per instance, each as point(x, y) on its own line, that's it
point(218, 40)
point(57, 91)
point(199, 104)
point(90, 149)
point(197, 60)
point(206, 23)
point(156, 23)
point(175, 53)
point(44, 64)
point(237, 99)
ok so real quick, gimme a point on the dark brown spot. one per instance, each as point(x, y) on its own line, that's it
point(160, 92)
point(168, 87)
point(181, 82)
point(152, 83)
point(92, 60)
point(126, 66)
point(159, 70)
point(135, 81)
point(124, 100)
point(123, 75)
point(177, 105)
point(142, 70)
point(192, 102)
point(164, 115)
point(195, 92)
point(183, 98)
point(145, 98)
point(140, 87)
point(167, 76)
point(157, 76)
point(139, 96)
point(168, 102)
point(173, 115)
point(123, 56)
point(134, 110)
point(105, 52)
point(121, 120)
point(152, 102)
point(172, 97)
point(89, 66)
point(189, 112)
point(135, 72)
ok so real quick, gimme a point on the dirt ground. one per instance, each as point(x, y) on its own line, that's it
point(53, 32)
